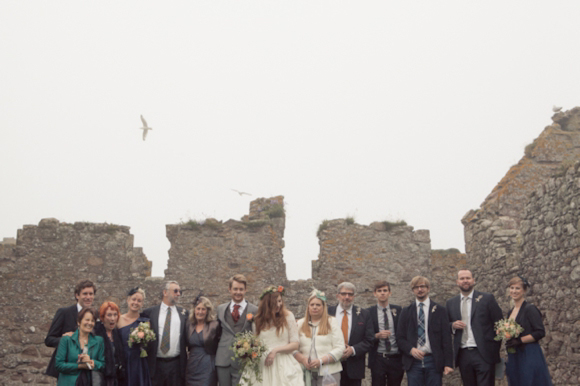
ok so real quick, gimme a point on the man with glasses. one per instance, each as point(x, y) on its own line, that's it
point(358, 334)
point(424, 338)
point(166, 355)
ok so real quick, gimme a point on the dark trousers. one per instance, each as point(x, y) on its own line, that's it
point(346, 381)
point(423, 373)
point(167, 372)
point(387, 371)
point(475, 371)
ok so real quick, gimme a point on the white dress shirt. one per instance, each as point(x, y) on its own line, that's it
point(470, 338)
point(427, 347)
point(242, 305)
point(339, 314)
point(175, 330)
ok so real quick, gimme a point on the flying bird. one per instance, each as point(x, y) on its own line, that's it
point(145, 128)
point(556, 109)
point(241, 193)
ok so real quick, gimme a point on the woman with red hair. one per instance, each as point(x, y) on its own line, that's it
point(106, 327)
point(276, 327)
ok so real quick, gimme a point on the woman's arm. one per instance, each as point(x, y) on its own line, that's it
point(337, 341)
point(99, 353)
point(534, 319)
point(61, 364)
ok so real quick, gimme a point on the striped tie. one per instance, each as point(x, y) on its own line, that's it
point(421, 329)
point(166, 333)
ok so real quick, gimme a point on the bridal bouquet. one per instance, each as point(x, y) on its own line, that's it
point(507, 329)
point(141, 335)
point(248, 349)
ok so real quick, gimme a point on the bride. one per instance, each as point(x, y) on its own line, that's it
point(276, 327)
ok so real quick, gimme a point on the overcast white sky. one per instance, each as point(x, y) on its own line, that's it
point(373, 109)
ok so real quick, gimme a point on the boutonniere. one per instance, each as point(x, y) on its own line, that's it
point(250, 318)
point(477, 299)
point(434, 308)
point(357, 311)
point(183, 311)
point(394, 312)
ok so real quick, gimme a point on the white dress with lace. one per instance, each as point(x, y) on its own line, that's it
point(285, 371)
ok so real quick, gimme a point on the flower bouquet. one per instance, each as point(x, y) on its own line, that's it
point(248, 350)
point(507, 329)
point(141, 335)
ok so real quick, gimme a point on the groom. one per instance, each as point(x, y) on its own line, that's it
point(233, 318)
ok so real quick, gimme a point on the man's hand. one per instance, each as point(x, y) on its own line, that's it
point(417, 354)
point(383, 334)
point(447, 370)
point(458, 325)
point(348, 352)
point(67, 333)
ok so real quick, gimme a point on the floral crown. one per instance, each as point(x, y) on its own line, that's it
point(319, 294)
point(271, 290)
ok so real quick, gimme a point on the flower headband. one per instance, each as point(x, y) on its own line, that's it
point(319, 294)
point(272, 289)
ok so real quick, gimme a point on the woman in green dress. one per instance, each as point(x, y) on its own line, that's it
point(81, 351)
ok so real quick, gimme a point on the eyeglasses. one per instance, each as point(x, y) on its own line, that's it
point(351, 294)
point(420, 287)
point(177, 291)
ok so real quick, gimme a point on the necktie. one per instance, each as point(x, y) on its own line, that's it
point(421, 329)
point(166, 332)
point(464, 319)
point(236, 313)
point(344, 326)
point(387, 341)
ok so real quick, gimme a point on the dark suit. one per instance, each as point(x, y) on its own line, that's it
point(387, 369)
point(477, 364)
point(360, 338)
point(65, 320)
point(153, 315)
point(438, 332)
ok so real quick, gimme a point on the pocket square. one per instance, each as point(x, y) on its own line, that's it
point(360, 323)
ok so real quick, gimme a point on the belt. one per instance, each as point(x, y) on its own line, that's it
point(469, 348)
point(168, 359)
point(427, 354)
point(385, 355)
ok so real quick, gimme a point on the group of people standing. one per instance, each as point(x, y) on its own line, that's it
point(425, 340)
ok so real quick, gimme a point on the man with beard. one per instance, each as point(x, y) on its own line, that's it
point(64, 322)
point(357, 330)
point(473, 315)
point(166, 355)
point(424, 338)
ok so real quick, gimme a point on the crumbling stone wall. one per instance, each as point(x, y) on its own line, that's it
point(364, 255)
point(528, 225)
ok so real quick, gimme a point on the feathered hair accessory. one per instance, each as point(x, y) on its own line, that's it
point(197, 299)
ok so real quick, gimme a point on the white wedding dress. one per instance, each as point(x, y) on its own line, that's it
point(285, 371)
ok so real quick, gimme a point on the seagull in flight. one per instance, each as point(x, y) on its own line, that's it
point(241, 193)
point(145, 128)
point(556, 109)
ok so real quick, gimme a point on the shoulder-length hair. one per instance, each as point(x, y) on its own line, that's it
point(267, 317)
point(324, 326)
point(210, 316)
point(108, 306)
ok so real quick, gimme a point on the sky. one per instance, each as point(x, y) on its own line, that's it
point(376, 110)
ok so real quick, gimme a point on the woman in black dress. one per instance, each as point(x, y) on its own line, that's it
point(527, 366)
point(137, 369)
point(106, 327)
point(203, 335)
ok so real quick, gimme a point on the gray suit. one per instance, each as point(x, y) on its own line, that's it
point(228, 369)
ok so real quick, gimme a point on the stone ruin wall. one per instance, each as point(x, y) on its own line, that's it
point(528, 225)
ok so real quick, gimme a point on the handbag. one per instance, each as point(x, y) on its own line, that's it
point(328, 379)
